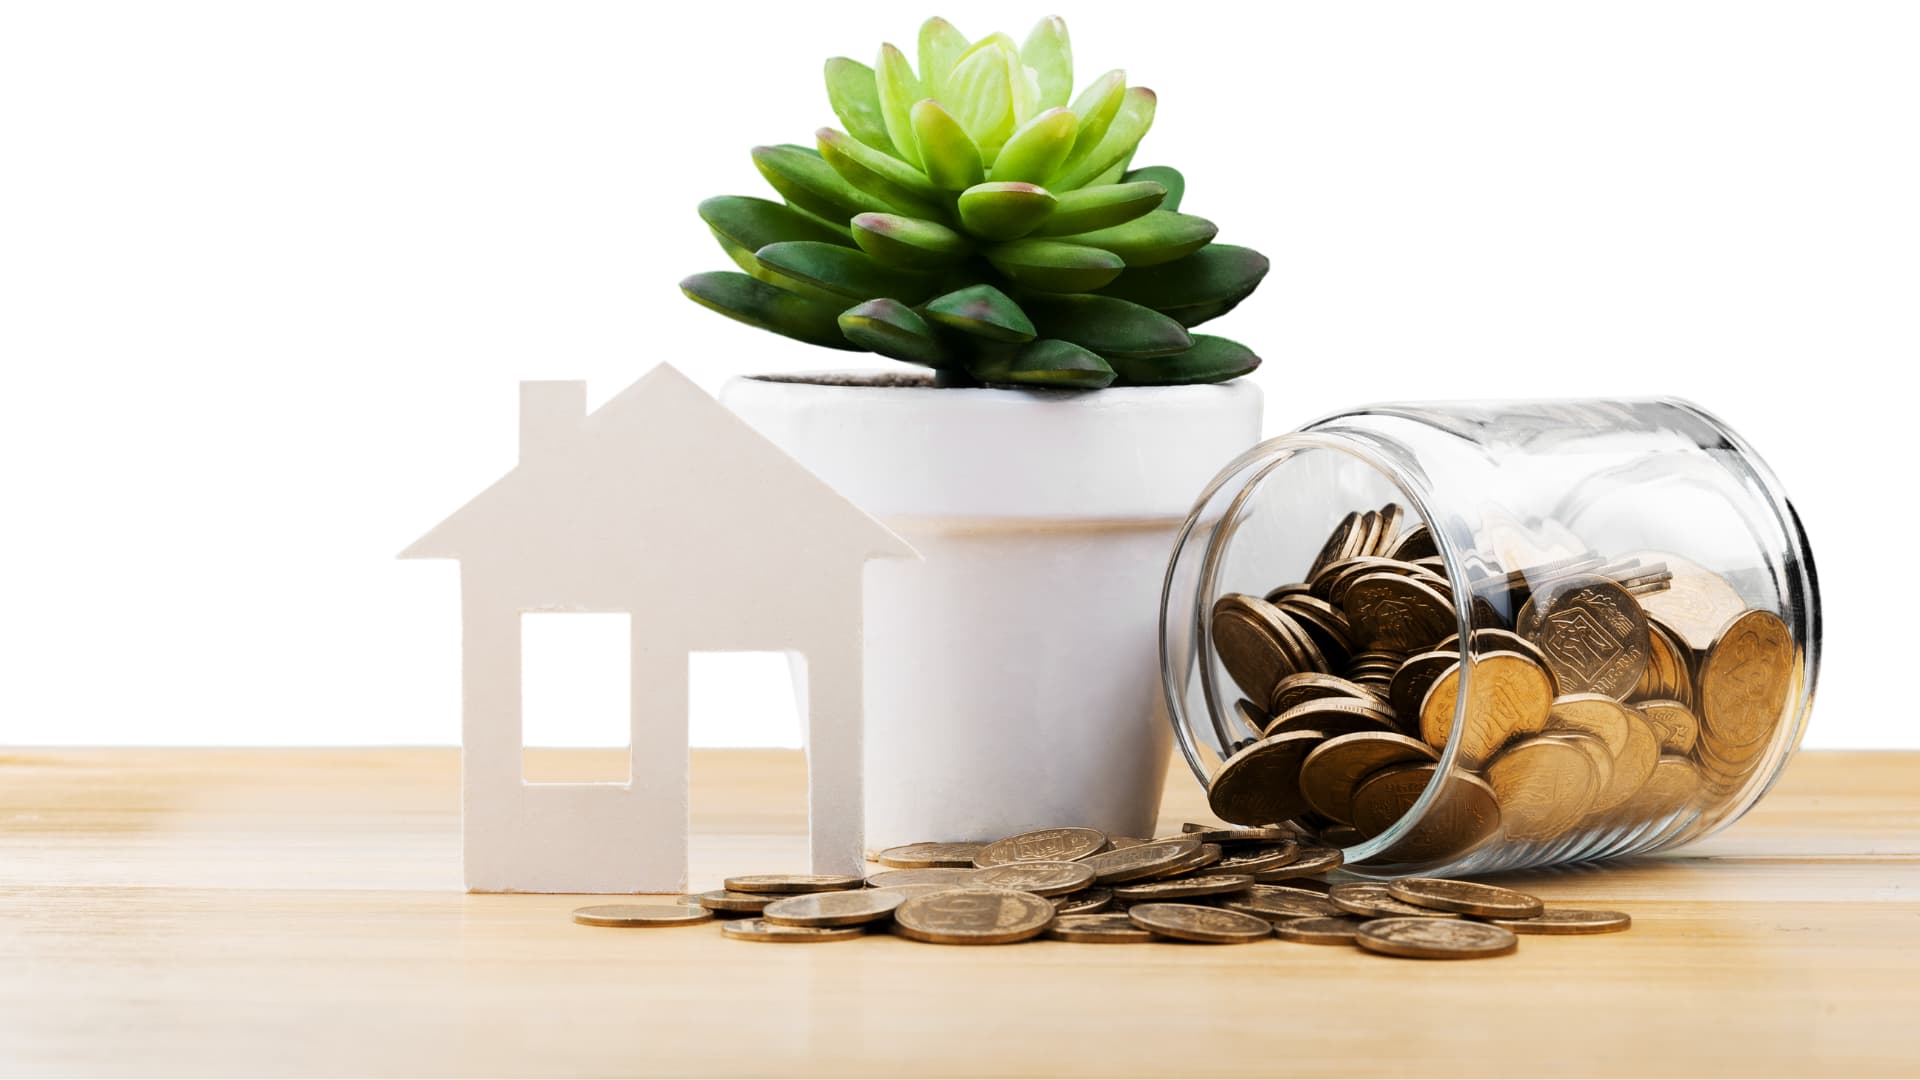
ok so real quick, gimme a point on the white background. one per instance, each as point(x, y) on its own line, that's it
point(269, 274)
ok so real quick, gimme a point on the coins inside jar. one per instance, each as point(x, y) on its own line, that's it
point(1592, 697)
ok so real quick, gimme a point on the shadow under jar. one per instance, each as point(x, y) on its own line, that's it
point(1478, 636)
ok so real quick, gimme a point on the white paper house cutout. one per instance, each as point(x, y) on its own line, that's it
point(665, 505)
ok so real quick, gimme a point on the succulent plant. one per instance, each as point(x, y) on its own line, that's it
point(978, 218)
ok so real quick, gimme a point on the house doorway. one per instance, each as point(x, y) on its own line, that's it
point(745, 724)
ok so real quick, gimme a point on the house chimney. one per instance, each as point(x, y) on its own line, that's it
point(551, 413)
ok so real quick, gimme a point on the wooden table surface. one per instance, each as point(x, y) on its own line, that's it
point(255, 912)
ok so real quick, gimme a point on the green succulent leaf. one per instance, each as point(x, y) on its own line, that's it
point(883, 176)
point(1090, 208)
point(894, 330)
point(1116, 147)
point(1159, 237)
point(1050, 54)
point(1212, 359)
point(898, 89)
point(909, 243)
point(1167, 177)
point(1004, 211)
point(952, 160)
point(980, 98)
point(1053, 266)
point(1113, 328)
point(940, 45)
point(855, 98)
point(1113, 175)
point(1192, 315)
point(1038, 148)
point(983, 311)
point(1217, 273)
point(1095, 108)
point(809, 183)
point(751, 224)
point(846, 272)
point(1046, 363)
point(759, 304)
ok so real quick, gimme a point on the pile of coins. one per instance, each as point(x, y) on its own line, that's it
point(1603, 692)
point(1211, 884)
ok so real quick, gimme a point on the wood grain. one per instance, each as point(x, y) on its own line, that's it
point(257, 912)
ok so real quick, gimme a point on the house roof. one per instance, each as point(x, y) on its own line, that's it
point(666, 428)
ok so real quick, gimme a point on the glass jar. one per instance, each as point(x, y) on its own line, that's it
point(1612, 600)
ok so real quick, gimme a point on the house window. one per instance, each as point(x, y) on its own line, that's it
point(740, 699)
point(576, 693)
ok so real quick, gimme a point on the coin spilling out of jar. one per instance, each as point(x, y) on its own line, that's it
point(1635, 689)
point(1179, 889)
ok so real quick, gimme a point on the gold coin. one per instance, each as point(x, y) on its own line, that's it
point(1238, 834)
point(1567, 921)
point(1593, 632)
point(1674, 787)
point(1105, 928)
point(1412, 681)
point(1318, 930)
point(1465, 815)
point(1193, 922)
point(1745, 680)
point(1038, 878)
point(1415, 543)
point(1435, 939)
point(1304, 686)
point(1272, 902)
point(1673, 724)
point(1371, 899)
point(1333, 770)
point(1544, 787)
point(1252, 716)
point(1398, 613)
point(641, 915)
point(1669, 674)
point(1466, 897)
point(1510, 696)
point(762, 930)
point(1248, 642)
point(1302, 653)
point(1631, 768)
point(1084, 902)
point(1597, 757)
point(1696, 604)
point(793, 883)
point(908, 892)
point(846, 908)
point(1256, 858)
point(1042, 845)
point(1331, 717)
point(928, 855)
point(1339, 543)
point(1203, 856)
point(1141, 860)
point(1322, 622)
point(723, 900)
point(1261, 784)
point(1307, 862)
point(1391, 516)
point(973, 916)
point(926, 875)
point(1595, 714)
point(1197, 885)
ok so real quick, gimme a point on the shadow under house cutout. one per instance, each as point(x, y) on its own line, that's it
point(666, 506)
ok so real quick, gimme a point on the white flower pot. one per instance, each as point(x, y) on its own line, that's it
point(1012, 677)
